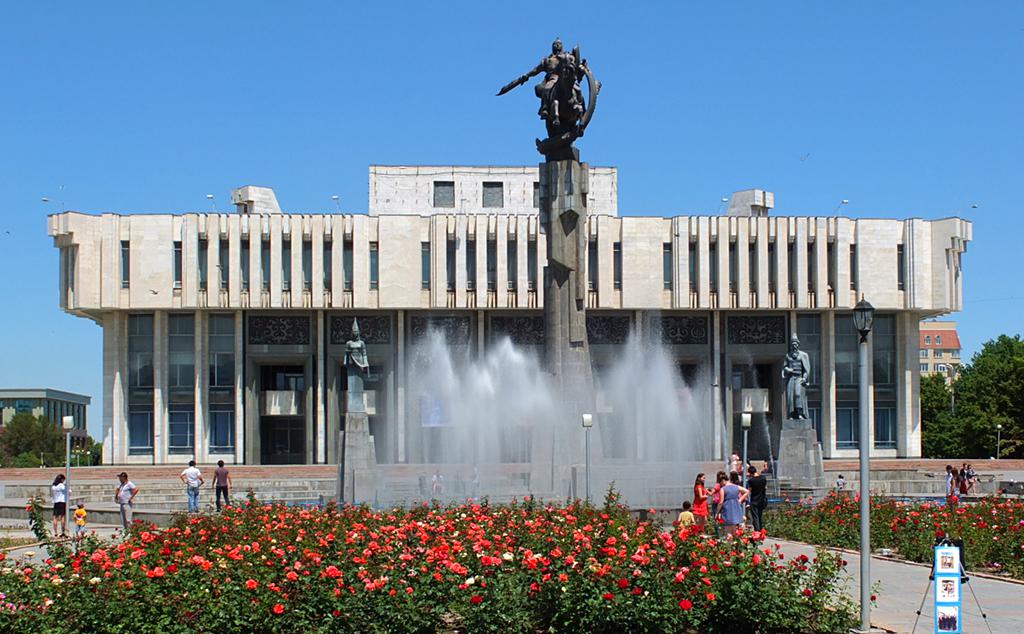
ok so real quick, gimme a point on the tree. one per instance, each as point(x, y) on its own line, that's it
point(989, 392)
point(26, 434)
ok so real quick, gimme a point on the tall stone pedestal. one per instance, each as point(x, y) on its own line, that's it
point(800, 466)
point(360, 459)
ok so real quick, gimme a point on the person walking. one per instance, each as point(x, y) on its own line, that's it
point(730, 504)
point(59, 494)
point(193, 479)
point(686, 517)
point(757, 484)
point(700, 502)
point(222, 484)
point(125, 498)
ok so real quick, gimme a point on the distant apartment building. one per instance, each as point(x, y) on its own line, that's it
point(54, 405)
point(940, 348)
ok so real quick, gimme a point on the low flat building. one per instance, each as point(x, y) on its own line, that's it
point(224, 333)
point(940, 349)
point(47, 403)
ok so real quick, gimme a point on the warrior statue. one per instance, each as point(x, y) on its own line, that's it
point(562, 105)
point(796, 370)
point(357, 365)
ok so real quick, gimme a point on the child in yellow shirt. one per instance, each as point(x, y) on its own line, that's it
point(80, 521)
point(686, 517)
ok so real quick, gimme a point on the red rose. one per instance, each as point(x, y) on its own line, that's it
point(808, 592)
point(623, 583)
point(711, 596)
point(251, 584)
point(476, 599)
point(686, 604)
point(608, 595)
point(278, 608)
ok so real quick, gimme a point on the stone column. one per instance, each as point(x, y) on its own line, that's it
point(399, 416)
point(202, 382)
point(240, 404)
point(159, 387)
point(115, 427)
point(321, 401)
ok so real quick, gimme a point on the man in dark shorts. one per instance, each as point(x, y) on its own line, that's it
point(757, 484)
point(222, 484)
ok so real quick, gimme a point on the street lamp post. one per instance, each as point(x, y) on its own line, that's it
point(999, 438)
point(68, 424)
point(588, 423)
point(863, 316)
point(745, 424)
point(953, 371)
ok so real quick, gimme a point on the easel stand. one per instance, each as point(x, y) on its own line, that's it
point(964, 579)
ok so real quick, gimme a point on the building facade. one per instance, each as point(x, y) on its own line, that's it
point(224, 333)
point(939, 349)
point(53, 405)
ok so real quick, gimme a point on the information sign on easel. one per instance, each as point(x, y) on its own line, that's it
point(948, 603)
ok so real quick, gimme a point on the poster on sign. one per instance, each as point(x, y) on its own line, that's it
point(947, 618)
point(947, 590)
point(947, 560)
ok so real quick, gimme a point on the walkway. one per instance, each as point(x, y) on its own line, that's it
point(903, 585)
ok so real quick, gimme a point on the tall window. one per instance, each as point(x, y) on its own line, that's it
point(853, 267)
point(713, 266)
point(223, 265)
point(901, 268)
point(140, 428)
point(222, 351)
point(449, 263)
point(752, 267)
point(531, 265)
point(307, 264)
point(847, 425)
point(734, 266)
point(471, 264)
point(831, 264)
point(140, 384)
point(666, 266)
point(346, 264)
point(791, 256)
point(177, 264)
point(617, 265)
point(265, 264)
point(126, 261)
point(492, 265)
point(243, 263)
point(204, 254)
point(883, 346)
point(846, 351)
point(286, 263)
point(180, 428)
point(328, 264)
point(374, 266)
point(808, 329)
point(592, 264)
point(885, 426)
point(773, 269)
point(181, 351)
point(444, 194)
point(493, 195)
point(812, 267)
point(512, 258)
point(536, 195)
point(222, 428)
point(425, 266)
point(692, 266)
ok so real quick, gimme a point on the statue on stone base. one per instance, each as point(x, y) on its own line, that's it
point(796, 370)
point(357, 366)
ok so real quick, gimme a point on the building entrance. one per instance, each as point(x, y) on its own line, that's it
point(282, 440)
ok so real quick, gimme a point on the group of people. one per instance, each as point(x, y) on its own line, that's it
point(960, 481)
point(727, 501)
point(124, 497)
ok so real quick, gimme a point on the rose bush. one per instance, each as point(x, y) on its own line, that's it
point(523, 567)
point(992, 528)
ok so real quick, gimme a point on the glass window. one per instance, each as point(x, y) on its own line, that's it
point(853, 267)
point(938, 353)
point(425, 265)
point(222, 351)
point(449, 261)
point(203, 269)
point(927, 340)
point(140, 351)
point(617, 265)
point(531, 265)
point(222, 428)
point(493, 195)
point(734, 265)
point(244, 263)
point(265, 264)
point(808, 329)
point(830, 262)
point(512, 257)
point(924, 353)
point(752, 267)
point(942, 367)
point(286, 263)
point(791, 256)
point(883, 345)
point(536, 195)
point(471, 264)
point(773, 269)
point(492, 265)
point(140, 431)
point(713, 266)
point(885, 426)
point(444, 194)
point(346, 264)
point(692, 263)
point(847, 426)
point(812, 267)
point(374, 266)
point(955, 353)
point(900, 267)
point(592, 264)
point(328, 264)
point(666, 266)
point(180, 429)
point(181, 351)
point(177, 264)
point(923, 367)
point(847, 340)
point(223, 263)
point(126, 260)
point(938, 340)
point(307, 264)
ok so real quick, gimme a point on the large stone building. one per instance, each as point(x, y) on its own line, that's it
point(53, 405)
point(223, 333)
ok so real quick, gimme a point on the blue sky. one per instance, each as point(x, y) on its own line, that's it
point(909, 109)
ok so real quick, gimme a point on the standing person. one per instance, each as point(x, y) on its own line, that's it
point(840, 483)
point(700, 501)
point(758, 486)
point(730, 504)
point(972, 478)
point(125, 498)
point(193, 479)
point(222, 484)
point(437, 483)
point(962, 480)
point(81, 516)
point(720, 479)
point(686, 517)
point(59, 493)
point(951, 485)
point(735, 464)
